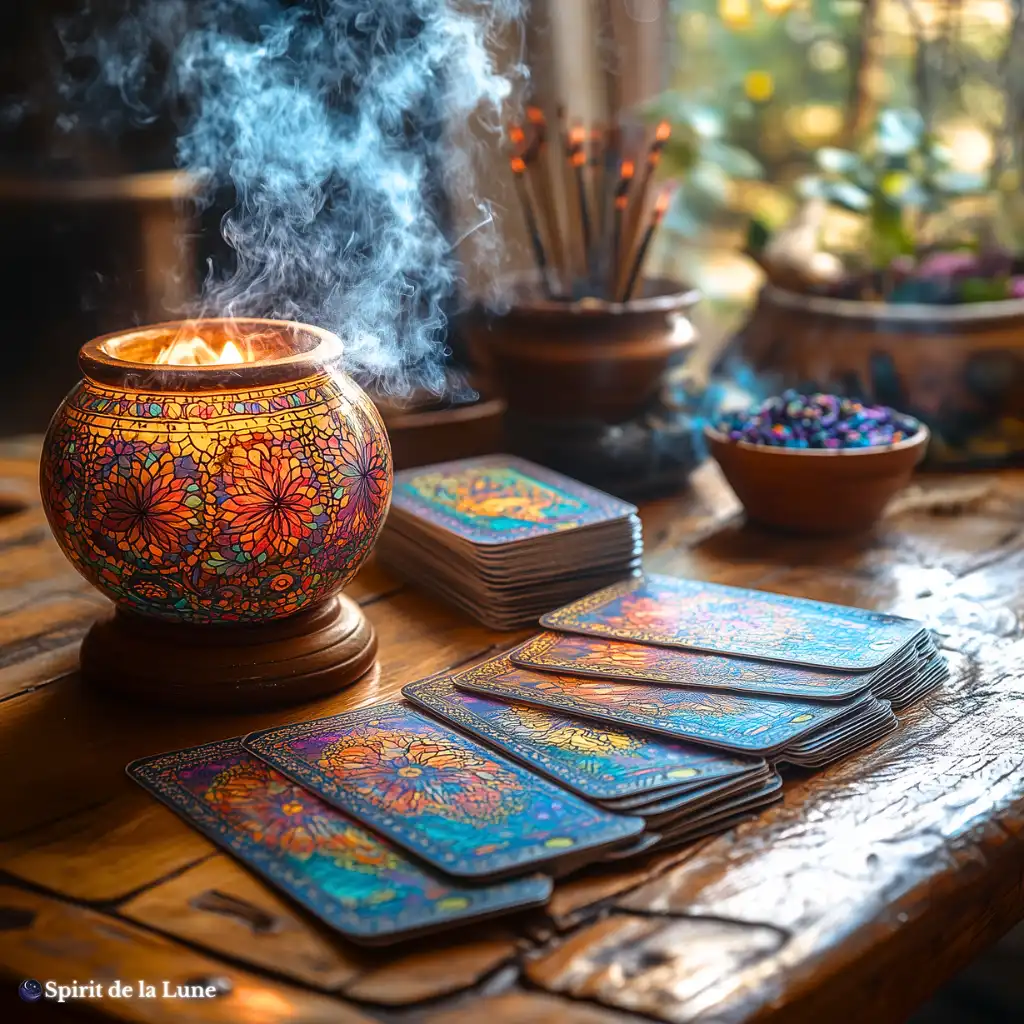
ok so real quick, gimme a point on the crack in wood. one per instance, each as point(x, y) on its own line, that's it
point(784, 934)
point(24, 540)
point(16, 918)
point(258, 921)
point(42, 643)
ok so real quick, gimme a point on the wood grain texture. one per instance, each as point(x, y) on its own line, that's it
point(51, 940)
point(219, 906)
point(851, 900)
point(525, 1008)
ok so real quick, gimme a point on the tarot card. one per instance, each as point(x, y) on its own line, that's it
point(699, 801)
point(766, 793)
point(598, 761)
point(496, 499)
point(438, 794)
point(359, 884)
point(751, 725)
point(672, 612)
point(830, 753)
point(576, 654)
point(647, 841)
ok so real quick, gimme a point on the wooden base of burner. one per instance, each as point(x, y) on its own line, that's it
point(227, 668)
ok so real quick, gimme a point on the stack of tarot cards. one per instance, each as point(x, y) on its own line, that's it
point(505, 540)
point(386, 823)
point(739, 671)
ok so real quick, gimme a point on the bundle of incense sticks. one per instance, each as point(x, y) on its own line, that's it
point(591, 209)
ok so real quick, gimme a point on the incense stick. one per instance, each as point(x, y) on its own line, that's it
point(595, 164)
point(538, 163)
point(574, 224)
point(638, 203)
point(587, 219)
point(518, 166)
point(621, 199)
point(641, 254)
point(578, 156)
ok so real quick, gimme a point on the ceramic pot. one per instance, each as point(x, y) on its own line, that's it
point(960, 369)
point(207, 494)
point(588, 360)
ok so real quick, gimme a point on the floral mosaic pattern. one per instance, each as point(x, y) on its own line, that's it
point(755, 725)
point(408, 774)
point(729, 620)
point(577, 654)
point(451, 801)
point(283, 817)
point(230, 507)
point(497, 499)
point(596, 759)
point(358, 883)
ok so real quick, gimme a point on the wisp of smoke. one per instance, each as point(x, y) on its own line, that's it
point(341, 126)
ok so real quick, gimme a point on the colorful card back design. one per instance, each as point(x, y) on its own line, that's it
point(601, 762)
point(497, 499)
point(359, 884)
point(752, 725)
point(456, 804)
point(577, 654)
point(746, 623)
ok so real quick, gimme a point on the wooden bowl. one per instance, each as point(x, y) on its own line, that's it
point(814, 491)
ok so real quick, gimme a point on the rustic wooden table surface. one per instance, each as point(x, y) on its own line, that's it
point(852, 900)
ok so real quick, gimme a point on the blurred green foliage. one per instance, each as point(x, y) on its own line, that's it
point(778, 90)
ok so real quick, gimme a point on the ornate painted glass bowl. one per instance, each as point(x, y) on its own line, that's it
point(216, 472)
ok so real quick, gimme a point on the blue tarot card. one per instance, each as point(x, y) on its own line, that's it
point(750, 725)
point(579, 655)
point(451, 801)
point(601, 761)
point(495, 499)
point(673, 612)
point(358, 883)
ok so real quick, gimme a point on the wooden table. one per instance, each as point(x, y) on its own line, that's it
point(851, 901)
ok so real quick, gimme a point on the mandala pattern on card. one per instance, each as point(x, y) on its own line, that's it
point(728, 620)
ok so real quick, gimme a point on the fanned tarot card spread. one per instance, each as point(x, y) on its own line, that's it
point(359, 884)
point(600, 761)
point(673, 612)
point(577, 654)
point(451, 801)
point(750, 725)
point(496, 499)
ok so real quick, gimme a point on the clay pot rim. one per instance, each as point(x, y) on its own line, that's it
point(324, 348)
point(919, 438)
point(677, 296)
point(901, 312)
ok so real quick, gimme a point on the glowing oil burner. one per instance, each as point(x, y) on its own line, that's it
point(220, 481)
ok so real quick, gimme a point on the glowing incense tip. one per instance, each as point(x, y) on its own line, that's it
point(662, 204)
point(516, 135)
point(578, 135)
point(663, 131)
point(628, 170)
point(535, 115)
point(518, 165)
point(579, 158)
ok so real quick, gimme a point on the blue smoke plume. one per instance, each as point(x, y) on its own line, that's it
point(340, 126)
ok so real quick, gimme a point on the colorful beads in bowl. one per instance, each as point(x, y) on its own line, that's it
point(792, 420)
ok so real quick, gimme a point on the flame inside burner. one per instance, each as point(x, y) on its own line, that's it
point(199, 352)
